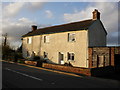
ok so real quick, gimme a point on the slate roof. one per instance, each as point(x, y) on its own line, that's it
point(74, 26)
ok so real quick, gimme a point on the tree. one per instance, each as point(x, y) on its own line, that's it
point(6, 49)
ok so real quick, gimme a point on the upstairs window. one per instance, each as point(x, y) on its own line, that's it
point(29, 40)
point(46, 39)
point(71, 56)
point(71, 37)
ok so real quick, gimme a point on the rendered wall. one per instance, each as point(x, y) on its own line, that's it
point(58, 42)
point(97, 34)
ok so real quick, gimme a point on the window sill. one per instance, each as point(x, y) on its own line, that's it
point(46, 42)
point(71, 41)
point(71, 60)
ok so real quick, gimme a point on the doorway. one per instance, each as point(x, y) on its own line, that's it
point(61, 58)
point(100, 61)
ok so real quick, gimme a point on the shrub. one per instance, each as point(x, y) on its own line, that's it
point(36, 58)
point(20, 61)
point(68, 64)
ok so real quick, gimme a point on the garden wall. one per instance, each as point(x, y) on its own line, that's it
point(84, 71)
point(78, 70)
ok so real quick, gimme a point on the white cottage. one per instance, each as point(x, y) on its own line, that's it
point(67, 43)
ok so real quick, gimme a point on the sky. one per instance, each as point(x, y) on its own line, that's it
point(18, 17)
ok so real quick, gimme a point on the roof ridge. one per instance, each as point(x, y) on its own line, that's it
point(66, 24)
point(73, 26)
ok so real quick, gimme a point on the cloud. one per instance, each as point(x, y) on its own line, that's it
point(49, 14)
point(12, 9)
point(34, 6)
point(78, 15)
point(119, 24)
point(109, 17)
point(16, 29)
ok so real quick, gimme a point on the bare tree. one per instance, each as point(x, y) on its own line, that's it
point(6, 50)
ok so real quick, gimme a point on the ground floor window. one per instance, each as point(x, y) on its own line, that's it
point(28, 55)
point(94, 60)
point(100, 60)
point(45, 55)
point(71, 56)
point(61, 58)
point(61, 55)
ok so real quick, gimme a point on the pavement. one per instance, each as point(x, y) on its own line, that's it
point(15, 75)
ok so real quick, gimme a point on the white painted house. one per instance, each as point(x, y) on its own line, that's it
point(67, 43)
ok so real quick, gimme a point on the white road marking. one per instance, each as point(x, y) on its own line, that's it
point(42, 68)
point(53, 83)
point(25, 74)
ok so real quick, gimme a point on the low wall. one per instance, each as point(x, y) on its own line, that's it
point(102, 71)
point(85, 71)
point(78, 70)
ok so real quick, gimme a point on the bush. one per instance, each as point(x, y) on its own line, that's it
point(36, 58)
point(68, 64)
point(20, 61)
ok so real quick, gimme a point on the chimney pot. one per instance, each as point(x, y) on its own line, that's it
point(96, 14)
point(34, 27)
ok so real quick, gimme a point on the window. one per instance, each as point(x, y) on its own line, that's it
point(45, 55)
point(71, 37)
point(28, 55)
point(46, 39)
point(61, 58)
point(33, 54)
point(94, 60)
point(101, 61)
point(29, 40)
point(71, 56)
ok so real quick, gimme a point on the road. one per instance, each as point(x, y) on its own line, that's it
point(21, 76)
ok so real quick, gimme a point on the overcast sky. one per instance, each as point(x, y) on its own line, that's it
point(17, 17)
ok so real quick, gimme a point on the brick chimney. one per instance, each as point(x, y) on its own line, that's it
point(96, 14)
point(34, 27)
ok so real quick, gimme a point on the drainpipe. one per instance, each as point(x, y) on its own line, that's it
point(32, 43)
point(40, 45)
point(87, 49)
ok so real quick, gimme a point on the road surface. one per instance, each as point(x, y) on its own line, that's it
point(21, 76)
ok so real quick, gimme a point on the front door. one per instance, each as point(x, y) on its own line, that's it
point(61, 58)
point(117, 60)
point(101, 61)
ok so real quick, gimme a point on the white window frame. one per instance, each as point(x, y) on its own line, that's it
point(71, 54)
point(27, 54)
point(46, 39)
point(61, 60)
point(62, 54)
point(45, 53)
point(71, 37)
point(29, 40)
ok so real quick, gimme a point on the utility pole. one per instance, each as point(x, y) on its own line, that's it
point(5, 37)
